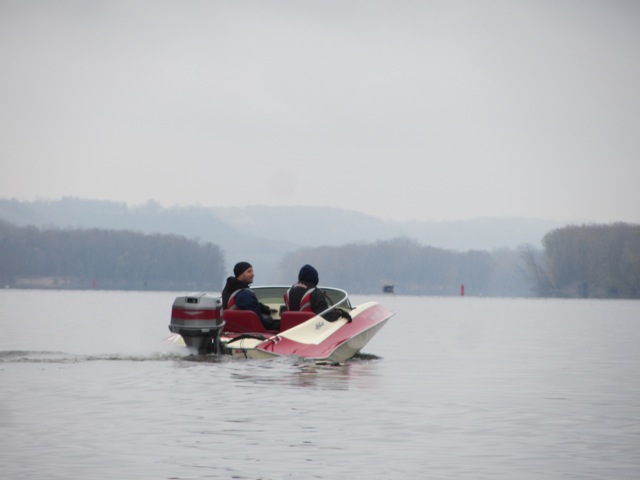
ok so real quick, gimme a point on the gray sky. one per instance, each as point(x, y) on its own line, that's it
point(440, 110)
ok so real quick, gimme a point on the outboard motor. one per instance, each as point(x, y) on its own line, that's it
point(197, 319)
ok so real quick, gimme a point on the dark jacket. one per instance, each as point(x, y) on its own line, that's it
point(318, 300)
point(245, 299)
point(231, 286)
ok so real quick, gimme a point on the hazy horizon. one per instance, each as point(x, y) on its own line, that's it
point(403, 110)
point(153, 203)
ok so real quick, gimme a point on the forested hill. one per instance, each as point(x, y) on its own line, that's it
point(601, 261)
point(415, 269)
point(107, 259)
point(263, 235)
point(71, 243)
point(587, 261)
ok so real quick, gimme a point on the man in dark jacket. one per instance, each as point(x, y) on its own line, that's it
point(305, 296)
point(236, 294)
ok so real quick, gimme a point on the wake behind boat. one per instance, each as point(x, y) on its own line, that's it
point(199, 322)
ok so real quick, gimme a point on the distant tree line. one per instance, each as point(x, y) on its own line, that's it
point(599, 261)
point(414, 269)
point(107, 259)
point(589, 261)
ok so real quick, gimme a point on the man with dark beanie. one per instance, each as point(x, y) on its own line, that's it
point(305, 296)
point(236, 294)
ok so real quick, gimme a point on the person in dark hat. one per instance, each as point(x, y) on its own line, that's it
point(305, 296)
point(236, 294)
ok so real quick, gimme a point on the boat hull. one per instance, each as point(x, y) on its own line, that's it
point(317, 339)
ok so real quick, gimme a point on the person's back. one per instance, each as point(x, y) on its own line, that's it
point(305, 296)
point(300, 297)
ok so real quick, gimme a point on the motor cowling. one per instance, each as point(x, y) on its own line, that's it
point(197, 318)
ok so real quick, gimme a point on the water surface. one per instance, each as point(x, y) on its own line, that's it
point(451, 388)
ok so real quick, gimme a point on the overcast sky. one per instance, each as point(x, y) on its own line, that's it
point(426, 110)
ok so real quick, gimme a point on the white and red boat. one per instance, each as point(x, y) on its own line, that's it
point(198, 321)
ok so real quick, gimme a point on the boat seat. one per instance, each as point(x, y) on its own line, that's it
point(243, 321)
point(290, 319)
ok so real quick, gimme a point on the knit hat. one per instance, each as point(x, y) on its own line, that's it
point(240, 268)
point(308, 274)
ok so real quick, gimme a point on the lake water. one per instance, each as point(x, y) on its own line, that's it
point(451, 388)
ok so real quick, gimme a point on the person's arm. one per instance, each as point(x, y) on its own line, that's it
point(247, 300)
point(265, 309)
point(318, 302)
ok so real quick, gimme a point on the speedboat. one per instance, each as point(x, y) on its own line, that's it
point(199, 322)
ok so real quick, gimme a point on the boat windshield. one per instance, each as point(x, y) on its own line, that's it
point(275, 296)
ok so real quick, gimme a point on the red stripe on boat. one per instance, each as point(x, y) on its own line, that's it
point(186, 314)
